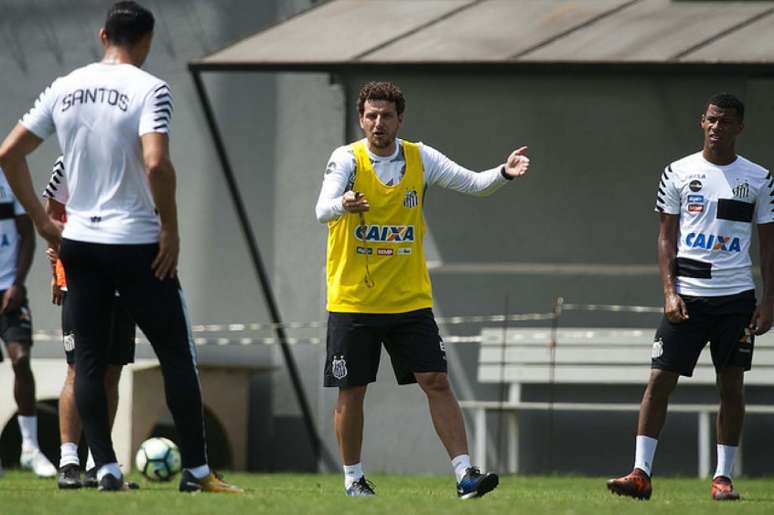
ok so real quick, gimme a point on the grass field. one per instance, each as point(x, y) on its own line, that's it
point(21, 493)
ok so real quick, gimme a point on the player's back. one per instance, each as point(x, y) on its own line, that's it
point(99, 112)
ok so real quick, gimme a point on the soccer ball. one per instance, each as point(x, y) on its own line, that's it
point(158, 459)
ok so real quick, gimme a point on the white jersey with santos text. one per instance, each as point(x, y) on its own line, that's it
point(99, 113)
point(717, 206)
point(10, 208)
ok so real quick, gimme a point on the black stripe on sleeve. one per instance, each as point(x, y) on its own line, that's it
point(162, 126)
point(659, 208)
point(163, 86)
point(661, 191)
point(661, 200)
point(164, 110)
point(164, 103)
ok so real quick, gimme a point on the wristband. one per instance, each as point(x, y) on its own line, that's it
point(505, 175)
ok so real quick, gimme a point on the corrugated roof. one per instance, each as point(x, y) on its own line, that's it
point(342, 32)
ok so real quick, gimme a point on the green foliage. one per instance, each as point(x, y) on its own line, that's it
point(22, 493)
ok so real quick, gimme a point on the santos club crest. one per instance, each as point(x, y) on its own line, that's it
point(339, 367)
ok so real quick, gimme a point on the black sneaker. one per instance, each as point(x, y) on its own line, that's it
point(111, 483)
point(361, 488)
point(90, 478)
point(69, 477)
point(476, 484)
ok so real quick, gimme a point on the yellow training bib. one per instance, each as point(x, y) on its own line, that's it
point(389, 243)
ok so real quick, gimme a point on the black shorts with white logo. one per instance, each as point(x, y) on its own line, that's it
point(355, 343)
point(723, 321)
point(16, 326)
point(120, 345)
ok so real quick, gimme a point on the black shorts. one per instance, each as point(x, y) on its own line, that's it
point(722, 321)
point(355, 343)
point(122, 333)
point(16, 326)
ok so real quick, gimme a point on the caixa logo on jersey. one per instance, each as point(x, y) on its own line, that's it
point(385, 233)
point(713, 242)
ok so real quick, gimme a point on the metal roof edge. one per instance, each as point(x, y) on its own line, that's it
point(316, 5)
point(761, 68)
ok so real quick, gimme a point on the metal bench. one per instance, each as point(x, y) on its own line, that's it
point(588, 356)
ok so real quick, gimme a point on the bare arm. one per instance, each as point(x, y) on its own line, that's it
point(162, 182)
point(674, 307)
point(15, 294)
point(13, 160)
point(26, 248)
point(762, 319)
point(56, 211)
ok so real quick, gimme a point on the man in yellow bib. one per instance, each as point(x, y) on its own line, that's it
point(379, 291)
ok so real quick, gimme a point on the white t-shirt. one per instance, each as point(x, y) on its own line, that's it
point(438, 169)
point(717, 206)
point(9, 236)
point(99, 113)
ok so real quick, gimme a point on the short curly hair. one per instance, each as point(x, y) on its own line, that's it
point(726, 101)
point(381, 91)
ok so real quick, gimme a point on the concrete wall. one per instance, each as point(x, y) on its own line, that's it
point(598, 143)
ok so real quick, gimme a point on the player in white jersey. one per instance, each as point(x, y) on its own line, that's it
point(112, 122)
point(708, 202)
point(17, 246)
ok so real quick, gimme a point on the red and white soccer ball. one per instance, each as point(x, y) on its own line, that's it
point(158, 459)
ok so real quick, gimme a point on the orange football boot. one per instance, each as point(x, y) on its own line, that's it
point(636, 485)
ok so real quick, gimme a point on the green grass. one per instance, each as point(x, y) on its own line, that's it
point(21, 493)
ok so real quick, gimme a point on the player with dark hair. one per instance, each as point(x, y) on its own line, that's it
point(372, 199)
point(121, 232)
point(17, 247)
point(707, 203)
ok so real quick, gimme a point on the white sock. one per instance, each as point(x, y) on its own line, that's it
point(109, 468)
point(352, 474)
point(90, 464)
point(726, 458)
point(201, 471)
point(29, 431)
point(69, 454)
point(643, 457)
point(460, 464)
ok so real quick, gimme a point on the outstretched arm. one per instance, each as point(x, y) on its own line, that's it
point(442, 171)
